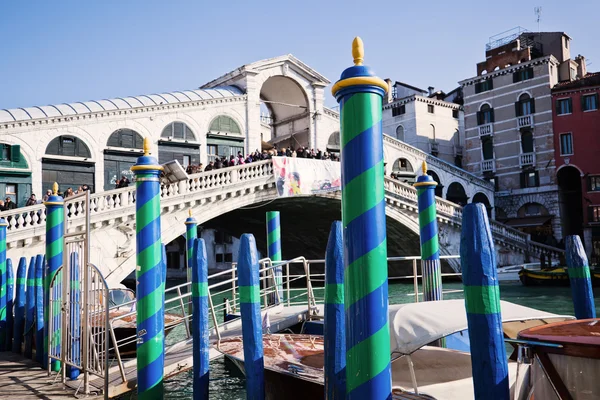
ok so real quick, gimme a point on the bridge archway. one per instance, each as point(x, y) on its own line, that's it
point(482, 198)
point(77, 170)
point(123, 148)
point(456, 194)
point(290, 111)
point(439, 189)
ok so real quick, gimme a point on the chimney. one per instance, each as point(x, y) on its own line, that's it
point(430, 89)
point(581, 67)
point(390, 94)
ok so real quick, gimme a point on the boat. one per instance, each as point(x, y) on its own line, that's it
point(559, 361)
point(121, 302)
point(510, 273)
point(552, 277)
point(294, 362)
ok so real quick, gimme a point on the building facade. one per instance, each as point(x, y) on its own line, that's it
point(508, 127)
point(576, 121)
point(425, 120)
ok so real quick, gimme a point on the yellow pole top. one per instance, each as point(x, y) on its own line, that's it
point(358, 51)
point(147, 146)
point(55, 188)
point(190, 212)
point(424, 168)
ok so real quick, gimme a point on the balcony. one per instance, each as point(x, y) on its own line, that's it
point(525, 121)
point(433, 147)
point(488, 166)
point(527, 159)
point(487, 129)
point(458, 150)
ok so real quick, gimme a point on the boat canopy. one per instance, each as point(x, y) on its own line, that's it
point(415, 325)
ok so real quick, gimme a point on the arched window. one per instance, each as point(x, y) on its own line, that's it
point(525, 105)
point(456, 194)
point(482, 198)
point(402, 165)
point(400, 133)
point(68, 145)
point(532, 209)
point(224, 124)
point(178, 130)
point(485, 115)
point(126, 138)
point(333, 143)
point(439, 188)
point(432, 129)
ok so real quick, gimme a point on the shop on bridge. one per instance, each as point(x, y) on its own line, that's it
point(67, 162)
point(224, 138)
point(123, 148)
point(15, 176)
point(178, 142)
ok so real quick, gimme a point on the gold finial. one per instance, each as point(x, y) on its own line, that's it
point(424, 168)
point(55, 188)
point(190, 212)
point(147, 146)
point(358, 51)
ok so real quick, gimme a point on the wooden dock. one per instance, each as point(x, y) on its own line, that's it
point(22, 379)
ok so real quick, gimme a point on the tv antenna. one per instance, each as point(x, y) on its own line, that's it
point(538, 13)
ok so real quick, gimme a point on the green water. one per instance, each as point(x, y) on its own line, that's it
point(227, 385)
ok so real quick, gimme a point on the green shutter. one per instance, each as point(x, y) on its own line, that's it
point(532, 101)
point(523, 180)
point(537, 179)
point(492, 117)
point(490, 84)
point(478, 88)
point(516, 77)
point(582, 103)
point(518, 109)
point(557, 107)
point(479, 118)
point(570, 105)
point(15, 153)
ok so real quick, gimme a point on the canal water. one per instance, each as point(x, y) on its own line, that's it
point(227, 384)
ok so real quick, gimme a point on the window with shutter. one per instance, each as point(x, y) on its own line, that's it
point(15, 153)
point(589, 102)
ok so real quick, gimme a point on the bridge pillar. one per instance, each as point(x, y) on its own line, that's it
point(360, 94)
point(430, 248)
point(150, 310)
point(54, 256)
point(3, 325)
point(579, 275)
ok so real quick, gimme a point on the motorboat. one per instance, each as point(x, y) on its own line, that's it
point(294, 362)
point(552, 277)
point(510, 273)
point(559, 361)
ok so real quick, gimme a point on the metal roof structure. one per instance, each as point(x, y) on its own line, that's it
point(120, 103)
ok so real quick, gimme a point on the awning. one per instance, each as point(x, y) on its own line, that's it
point(538, 220)
point(266, 145)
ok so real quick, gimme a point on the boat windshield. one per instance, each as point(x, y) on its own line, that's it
point(118, 297)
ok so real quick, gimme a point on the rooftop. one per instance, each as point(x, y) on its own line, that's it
point(591, 79)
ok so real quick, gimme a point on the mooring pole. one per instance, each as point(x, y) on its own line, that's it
point(191, 233)
point(274, 249)
point(10, 292)
point(360, 94)
point(75, 317)
point(54, 257)
point(430, 249)
point(200, 331)
point(40, 310)
point(30, 310)
point(579, 275)
point(150, 309)
point(335, 335)
point(3, 324)
point(20, 305)
point(249, 287)
point(482, 301)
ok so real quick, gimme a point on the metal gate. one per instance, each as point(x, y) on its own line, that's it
point(78, 306)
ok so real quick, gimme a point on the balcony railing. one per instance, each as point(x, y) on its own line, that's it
point(525, 121)
point(488, 165)
point(527, 159)
point(487, 129)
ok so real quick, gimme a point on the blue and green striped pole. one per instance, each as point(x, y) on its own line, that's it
point(579, 275)
point(360, 94)
point(200, 331)
point(249, 286)
point(30, 310)
point(482, 302)
point(334, 333)
point(10, 292)
point(54, 257)
point(430, 248)
point(3, 325)
point(274, 248)
point(20, 305)
point(149, 275)
point(40, 355)
point(191, 233)
point(75, 317)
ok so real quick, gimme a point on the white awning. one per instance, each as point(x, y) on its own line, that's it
point(415, 325)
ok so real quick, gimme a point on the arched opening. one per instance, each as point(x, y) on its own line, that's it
point(123, 148)
point(501, 214)
point(456, 194)
point(15, 179)
point(570, 197)
point(482, 198)
point(525, 105)
point(534, 219)
point(485, 114)
point(333, 143)
point(402, 170)
point(526, 141)
point(432, 132)
point(178, 142)
point(290, 114)
point(400, 133)
point(224, 138)
point(439, 188)
point(67, 162)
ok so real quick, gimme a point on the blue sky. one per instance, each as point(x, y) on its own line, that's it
point(56, 51)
